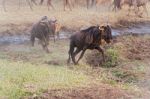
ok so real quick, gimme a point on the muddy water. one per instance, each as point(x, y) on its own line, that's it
point(139, 29)
point(5, 40)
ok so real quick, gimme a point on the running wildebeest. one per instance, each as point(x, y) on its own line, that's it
point(132, 3)
point(67, 3)
point(90, 38)
point(49, 4)
point(42, 30)
point(34, 2)
point(136, 4)
point(117, 5)
point(90, 3)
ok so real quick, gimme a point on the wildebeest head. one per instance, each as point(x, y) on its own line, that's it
point(106, 33)
point(93, 34)
point(45, 21)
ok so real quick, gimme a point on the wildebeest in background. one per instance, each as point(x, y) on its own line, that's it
point(42, 30)
point(136, 4)
point(90, 3)
point(67, 3)
point(90, 38)
point(96, 3)
point(34, 2)
point(117, 4)
point(49, 4)
point(29, 2)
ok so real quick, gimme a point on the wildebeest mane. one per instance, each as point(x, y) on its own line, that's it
point(91, 34)
point(88, 29)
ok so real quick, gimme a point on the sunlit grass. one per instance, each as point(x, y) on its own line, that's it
point(20, 79)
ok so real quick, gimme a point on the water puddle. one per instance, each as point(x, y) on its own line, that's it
point(139, 29)
point(5, 40)
point(20, 39)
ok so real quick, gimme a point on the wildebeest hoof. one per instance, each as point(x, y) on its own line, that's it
point(68, 62)
point(47, 51)
point(76, 63)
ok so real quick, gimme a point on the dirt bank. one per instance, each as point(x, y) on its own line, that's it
point(92, 92)
point(121, 81)
point(134, 54)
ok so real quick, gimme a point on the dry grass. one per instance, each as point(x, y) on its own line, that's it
point(14, 20)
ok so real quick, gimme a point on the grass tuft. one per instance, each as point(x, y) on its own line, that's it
point(112, 58)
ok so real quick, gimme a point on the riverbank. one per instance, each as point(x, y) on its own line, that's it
point(36, 74)
point(20, 21)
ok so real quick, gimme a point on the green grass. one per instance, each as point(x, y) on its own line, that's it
point(18, 79)
point(28, 71)
point(112, 58)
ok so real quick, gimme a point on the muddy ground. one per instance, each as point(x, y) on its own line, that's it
point(134, 54)
point(132, 68)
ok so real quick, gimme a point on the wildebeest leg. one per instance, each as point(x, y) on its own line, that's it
point(41, 2)
point(45, 47)
point(93, 3)
point(81, 56)
point(50, 4)
point(54, 37)
point(113, 7)
point(129, 11)
point(69, 4)
point(45, 43)
point(101, 51)
point(4, 6)
point(64, 1)
point(29, 4)
point(74, 55)
point(71, 50)
point(145, 8)
point(58, 35)
point(32, 40)
point(33, 1)
point(87, 3)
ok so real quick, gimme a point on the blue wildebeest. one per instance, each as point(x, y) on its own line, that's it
point(132, 3)
point(117, 4)
point(42, 30)
point(90, 38)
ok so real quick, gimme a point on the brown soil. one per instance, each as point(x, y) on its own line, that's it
point(131, 47)
point(15, 29)
point(136, 48)
point(92, 92)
